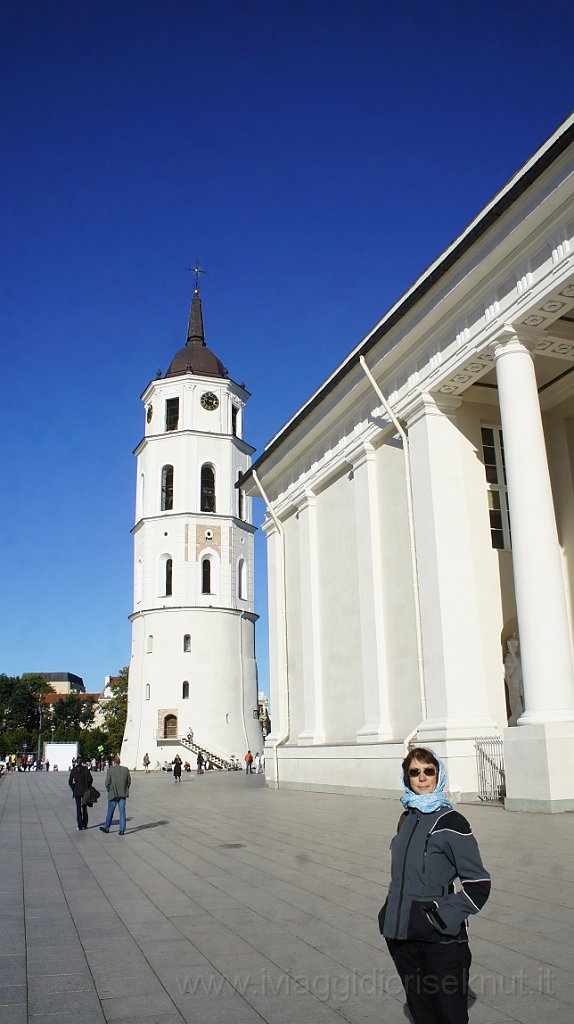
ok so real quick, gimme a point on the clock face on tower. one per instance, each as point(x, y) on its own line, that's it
point(209, 401)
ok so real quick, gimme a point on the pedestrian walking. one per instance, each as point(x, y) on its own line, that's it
point(248, 763)
point(200, 763)
point(79, 780)
point(424, 918)
point(118, 781)
point(146, 762)
point(261, 769)
point(177, 763)
point(256, 763)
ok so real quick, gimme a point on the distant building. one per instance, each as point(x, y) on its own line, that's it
point(63, 682)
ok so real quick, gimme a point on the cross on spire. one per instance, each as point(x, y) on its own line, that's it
point(197, 270)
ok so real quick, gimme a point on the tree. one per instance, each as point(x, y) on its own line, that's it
point(70, 715)
point(20, 711)
point(115, 710)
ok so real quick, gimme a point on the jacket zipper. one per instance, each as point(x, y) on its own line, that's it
point(425, 853)
point(403, 878)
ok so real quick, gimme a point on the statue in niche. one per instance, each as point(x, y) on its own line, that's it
point(513, 681)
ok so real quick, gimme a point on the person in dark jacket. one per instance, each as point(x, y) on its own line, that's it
point(79, 781)
point(177, 763)
point(424, 917)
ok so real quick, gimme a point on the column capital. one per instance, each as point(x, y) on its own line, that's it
point(305, 501)
point(428, 403)
point(509, 341)
point(360, 453)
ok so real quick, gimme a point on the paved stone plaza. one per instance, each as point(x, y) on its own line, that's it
point(227, 903)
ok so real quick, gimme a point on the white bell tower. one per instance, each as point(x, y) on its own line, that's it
point(193, 625)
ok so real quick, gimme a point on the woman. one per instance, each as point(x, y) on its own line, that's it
point(424, 919)
point(79, 781)
point(177, 763)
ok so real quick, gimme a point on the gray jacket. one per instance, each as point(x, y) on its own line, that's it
point(429, 852)
point(118, 781)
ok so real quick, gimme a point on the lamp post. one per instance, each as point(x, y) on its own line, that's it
point(38, 752)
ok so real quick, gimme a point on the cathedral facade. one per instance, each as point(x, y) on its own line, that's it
point(420, 521)
point(193, 675)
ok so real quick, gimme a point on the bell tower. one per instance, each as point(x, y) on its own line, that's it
point(192, 665)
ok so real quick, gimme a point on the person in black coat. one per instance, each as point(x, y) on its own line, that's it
point(79, 781)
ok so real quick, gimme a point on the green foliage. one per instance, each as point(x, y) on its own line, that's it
point(71, 716)
point(114, 712)
point(20, 711)
point(91, 739)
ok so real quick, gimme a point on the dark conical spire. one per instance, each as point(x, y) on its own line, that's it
point(195, 331)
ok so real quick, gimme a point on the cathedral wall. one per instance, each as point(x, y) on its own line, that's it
point(294, 632)
point(398, 595)
point(340, 633)
point(559, 433)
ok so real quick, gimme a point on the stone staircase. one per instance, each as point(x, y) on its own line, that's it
point(221, 763)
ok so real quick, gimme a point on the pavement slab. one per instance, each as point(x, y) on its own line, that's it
point(228, 903)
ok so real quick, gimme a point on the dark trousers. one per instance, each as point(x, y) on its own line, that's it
point(81, 813)
point(435, 979)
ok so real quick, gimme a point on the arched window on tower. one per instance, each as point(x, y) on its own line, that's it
point(170, 727)
point(185, 690)
point(147, 691)
point(150, 644)
point(206, 576)
point(168, 577)
point(242, 580)
point(240, 498)
point(187, 643)
point(166, 488)
point(207, 502)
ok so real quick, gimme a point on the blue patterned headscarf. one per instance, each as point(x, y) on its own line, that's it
point(427, 802)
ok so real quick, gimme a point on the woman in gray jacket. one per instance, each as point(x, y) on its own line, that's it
point(424, 918)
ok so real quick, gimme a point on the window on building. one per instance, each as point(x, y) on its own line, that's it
point(206, 576)
point(234, 420)
point(167, 488)
point(207, 488)
point(187, 644)
point(240, 499)
point(168, 577)
point(242, 580)
point(185, 690)
point(170, 727)
point(147, 691)
point(171, 413)
point(150, 644)
point(497, 491)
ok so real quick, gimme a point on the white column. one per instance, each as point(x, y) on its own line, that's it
point(310, 622)
point(278, 678)
point(538, 578)
point(456, 694)
point(374, 680)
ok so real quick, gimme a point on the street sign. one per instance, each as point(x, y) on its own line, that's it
point(24, 746)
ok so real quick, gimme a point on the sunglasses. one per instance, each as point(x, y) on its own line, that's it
point(415, 772)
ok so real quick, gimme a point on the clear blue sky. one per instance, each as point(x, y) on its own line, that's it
point(315, 156)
